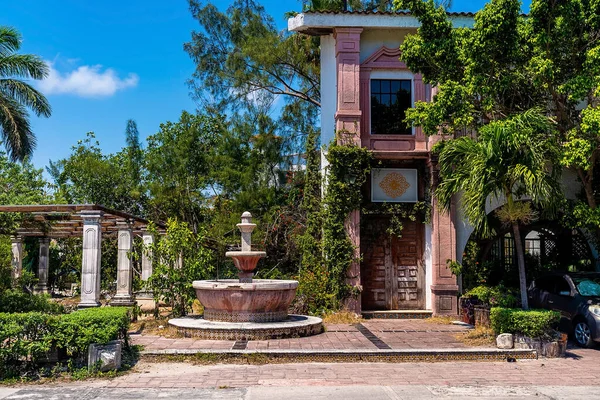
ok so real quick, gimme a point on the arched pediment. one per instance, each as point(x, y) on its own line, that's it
point(384, 58)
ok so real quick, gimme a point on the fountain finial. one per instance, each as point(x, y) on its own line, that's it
point(246, 227)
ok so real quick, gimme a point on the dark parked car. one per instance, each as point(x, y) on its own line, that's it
point(576, 295)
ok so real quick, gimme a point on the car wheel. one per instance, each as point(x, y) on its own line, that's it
point(583, 334)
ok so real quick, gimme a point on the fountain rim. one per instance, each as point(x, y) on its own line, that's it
point(250, 253)
point(234, 284)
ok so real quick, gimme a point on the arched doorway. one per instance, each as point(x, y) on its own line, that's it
point(548, 247)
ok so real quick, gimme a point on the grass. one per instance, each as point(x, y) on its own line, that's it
point(342, 317)
point(480, 336)
point(441, 320)
point(151, 326)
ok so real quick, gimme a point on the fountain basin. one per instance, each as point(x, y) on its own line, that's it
point(262, 300)
point(245, 261)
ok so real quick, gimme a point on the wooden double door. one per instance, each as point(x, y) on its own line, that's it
point(392, 270)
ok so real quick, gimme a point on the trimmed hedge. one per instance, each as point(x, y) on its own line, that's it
point(27, 338)
point(17, 301)
point(531, 323)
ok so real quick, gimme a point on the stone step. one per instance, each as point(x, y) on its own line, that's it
point(397, 314)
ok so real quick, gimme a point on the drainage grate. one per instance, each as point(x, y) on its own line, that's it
point(240, 345)
point(380, 344)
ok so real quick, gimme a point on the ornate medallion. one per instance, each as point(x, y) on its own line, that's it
point(394, 185)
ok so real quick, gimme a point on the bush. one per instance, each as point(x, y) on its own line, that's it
point(76, 331)
point(495, 296)
point(531, 323)
point(17, 301)
point(27, 338)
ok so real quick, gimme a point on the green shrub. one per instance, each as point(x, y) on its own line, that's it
point(26, 338)
point(495, 296)
point(76, 331)
point(17, 301)
point(532, 323)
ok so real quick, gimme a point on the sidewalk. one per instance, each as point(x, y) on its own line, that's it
point(372, 340)
point(396, 334)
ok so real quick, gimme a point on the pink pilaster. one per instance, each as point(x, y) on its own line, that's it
point(444, 288)
point(347, 55)
point(348, 126)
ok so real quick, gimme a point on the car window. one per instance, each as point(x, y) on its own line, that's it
point(562, 287)
point(545, 284)
point(588, 288)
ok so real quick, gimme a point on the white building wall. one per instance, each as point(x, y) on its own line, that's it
point(428, 268)
point(328, 94)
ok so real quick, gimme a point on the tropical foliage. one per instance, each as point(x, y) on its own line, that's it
point(16, 95)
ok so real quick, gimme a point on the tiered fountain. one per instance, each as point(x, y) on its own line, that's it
point(247, 308)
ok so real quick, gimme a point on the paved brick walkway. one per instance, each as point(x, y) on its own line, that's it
point(397, 334)
point(580, 368)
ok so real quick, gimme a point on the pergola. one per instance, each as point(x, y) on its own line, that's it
point(90, 221)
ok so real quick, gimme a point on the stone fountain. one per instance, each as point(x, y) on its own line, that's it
point(246, 308)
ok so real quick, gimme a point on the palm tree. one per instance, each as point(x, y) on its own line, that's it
point(511, 159)
point(16, 95)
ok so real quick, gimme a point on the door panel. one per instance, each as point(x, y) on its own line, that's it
point(392, 272)
point(407, 262)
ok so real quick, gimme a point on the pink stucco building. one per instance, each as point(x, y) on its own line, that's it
point(365, 91)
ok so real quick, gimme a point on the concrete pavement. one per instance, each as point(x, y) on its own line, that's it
point(310, 393)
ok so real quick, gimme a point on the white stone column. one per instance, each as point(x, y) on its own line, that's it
point(43, 264)
point(124, 267)
point(17, 256)
point(92, 256)
point(148, 240)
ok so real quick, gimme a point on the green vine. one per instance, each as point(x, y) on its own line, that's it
point(349, 166)
point(327, 250)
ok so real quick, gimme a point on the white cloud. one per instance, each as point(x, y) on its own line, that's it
point(86, 81)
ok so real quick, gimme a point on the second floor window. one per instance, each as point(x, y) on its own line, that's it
point(390, 98)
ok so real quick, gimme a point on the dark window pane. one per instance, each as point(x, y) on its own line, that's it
point(375, 86)
point(389, 101)
point(385, 86)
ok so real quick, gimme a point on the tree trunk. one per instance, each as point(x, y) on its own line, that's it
point(521, 263)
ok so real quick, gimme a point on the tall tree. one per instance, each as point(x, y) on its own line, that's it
point(16, 95)
point(508, 63)
point(235, 72)
point(178, 160)
point(511, 159)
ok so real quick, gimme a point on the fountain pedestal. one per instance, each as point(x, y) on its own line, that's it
point(247, 308)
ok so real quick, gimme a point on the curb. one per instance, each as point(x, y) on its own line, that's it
point(411, 355)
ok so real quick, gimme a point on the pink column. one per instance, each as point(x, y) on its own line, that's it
point(347, 55)
point(444, 288)
point(348, 126)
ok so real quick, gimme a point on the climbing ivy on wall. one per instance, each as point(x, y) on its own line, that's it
point(327, 251)
point(349, 166)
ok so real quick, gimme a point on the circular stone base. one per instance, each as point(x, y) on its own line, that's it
point(294, 326)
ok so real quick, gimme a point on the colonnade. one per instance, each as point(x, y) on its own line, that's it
point(91, 261)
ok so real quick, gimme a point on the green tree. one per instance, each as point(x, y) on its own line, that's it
point(179, 258)
point(178, 163)
point(234, 72)
point(86, 174)
point(508, 63)
point(511, 159)
point(20, 183)
point(16, 95)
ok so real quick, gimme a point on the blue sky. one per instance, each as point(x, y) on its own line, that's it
point(113, 60)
